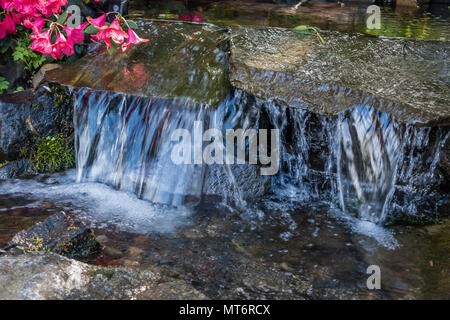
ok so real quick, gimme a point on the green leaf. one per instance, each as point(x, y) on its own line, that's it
point(132, 24)
point(302, 29)
point(113, 47)
point(91, 30)
point(62, 18)
point(5, 44)
point(3, 84)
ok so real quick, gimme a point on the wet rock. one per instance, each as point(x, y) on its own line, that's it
point(27, 277)
point(113, 252)
point(240, 181)
point(13, 72)
point(180, 61)
point(40, 75)
point(13, 169)
point(264, 13)
point(26, 115)
point(328, 78)
point(40, 276)
point(444, 157)
point(61, 234)
point(174, 290)
point(134, 252)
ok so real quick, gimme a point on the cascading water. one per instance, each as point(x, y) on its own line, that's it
point(352, 162)
point(125, 142)
point(346, 140)
point(367, 157)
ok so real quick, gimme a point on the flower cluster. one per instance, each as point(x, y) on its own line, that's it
point(192, 17)
point(113, 33)
point(56, 38)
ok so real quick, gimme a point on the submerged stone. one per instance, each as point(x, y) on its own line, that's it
point(180, 60)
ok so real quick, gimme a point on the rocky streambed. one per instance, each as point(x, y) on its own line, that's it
point(363, 179)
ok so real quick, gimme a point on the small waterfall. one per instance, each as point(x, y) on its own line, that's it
point(367, 156)
point(361, 161)
point(124, 141)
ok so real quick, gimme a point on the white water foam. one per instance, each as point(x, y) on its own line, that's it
point(99, 204)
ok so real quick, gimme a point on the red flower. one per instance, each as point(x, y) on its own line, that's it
point(191, 17)
point(133, 38)
point(7, 26)
point(42, 42)
point(113, 31)
point(98, 22)
point(49, 7)
point(198, 18)
point(75, 35)
point(36, 25)
point(184, 17)
point(7, 5)
point(61, 46)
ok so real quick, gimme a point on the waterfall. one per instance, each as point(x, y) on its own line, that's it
point(362, 161)
point(124, 141)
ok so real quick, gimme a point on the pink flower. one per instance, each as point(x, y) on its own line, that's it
point(42, 42)
point(184, 17)
point(113, 31)
point(28, 7)
point(60, 47)
point(98, 22)
point(7, 5)
point(191, 17)
point(49, 7)
point(17, 17)
point(8, 24)
point(75, 35)
point(198, 18)
point(133, 38)
point(36, 25)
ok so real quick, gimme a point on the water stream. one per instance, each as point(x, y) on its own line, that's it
point(311, 229)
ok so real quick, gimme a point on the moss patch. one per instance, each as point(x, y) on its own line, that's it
point(108, 272)
point(52, 154)
point(402, 219)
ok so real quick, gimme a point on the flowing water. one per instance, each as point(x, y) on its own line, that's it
point(429, 23)
point(310, 230)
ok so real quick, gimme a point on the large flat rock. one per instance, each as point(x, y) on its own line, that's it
point(405, 78)
point(181, 60)
point(48, 276)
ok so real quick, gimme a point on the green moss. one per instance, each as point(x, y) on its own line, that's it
point(52, 154)
point(108, 272)
point(403, 219)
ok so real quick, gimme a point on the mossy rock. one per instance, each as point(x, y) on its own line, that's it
point(52, 154)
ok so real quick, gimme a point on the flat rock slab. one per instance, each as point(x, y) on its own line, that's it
point(49, 276)
point(408, 79)
point(181, 60)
